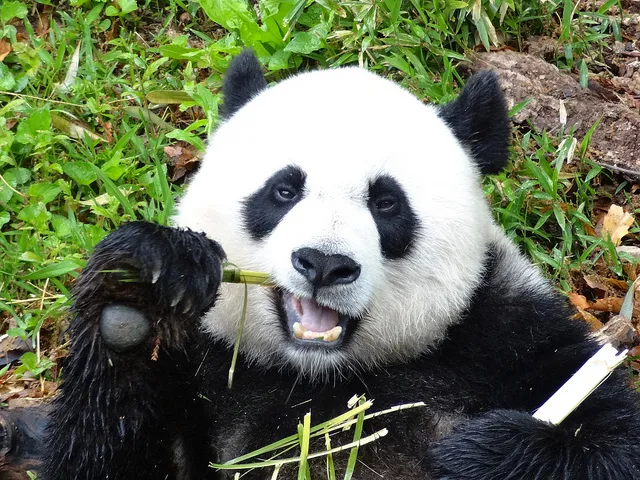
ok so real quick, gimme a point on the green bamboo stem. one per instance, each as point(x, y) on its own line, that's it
point(231, 274)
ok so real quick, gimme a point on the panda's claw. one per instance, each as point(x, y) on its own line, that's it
point(176, 300)
point(187, 306)
point(155, 275)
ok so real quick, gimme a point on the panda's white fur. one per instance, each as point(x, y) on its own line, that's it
point(360, 126)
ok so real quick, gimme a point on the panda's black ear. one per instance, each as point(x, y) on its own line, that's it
point(480, 121)
point(243, 80)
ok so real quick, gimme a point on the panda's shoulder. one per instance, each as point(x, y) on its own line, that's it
point(516, 314)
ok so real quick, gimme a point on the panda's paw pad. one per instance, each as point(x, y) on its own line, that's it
point(123, 328)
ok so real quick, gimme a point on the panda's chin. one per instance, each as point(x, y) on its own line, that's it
point(312, 325)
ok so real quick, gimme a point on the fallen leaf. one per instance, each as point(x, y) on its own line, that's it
point(562, 113)
point(5, 49)
point(595, 282)
point(11, 348)
point(591, 320)
point(72, 73)
point(107, 127)
point(611, 304)
point(173, 150)
point(580, 301)
point(183, 157)
point(631, 250)
point(42, 26)
point(616, 224)
point(74, 130)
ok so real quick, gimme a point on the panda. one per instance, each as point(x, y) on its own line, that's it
point(391, 279)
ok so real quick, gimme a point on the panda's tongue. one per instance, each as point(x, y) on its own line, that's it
point(315, 317)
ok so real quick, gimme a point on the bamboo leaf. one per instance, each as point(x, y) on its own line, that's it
point(55, 270)
point(168, 97)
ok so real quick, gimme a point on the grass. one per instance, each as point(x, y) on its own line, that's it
point(93, 91)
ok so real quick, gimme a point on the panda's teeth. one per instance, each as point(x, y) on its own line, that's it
point(303, 334)
point(298, 330)
point(333, 334)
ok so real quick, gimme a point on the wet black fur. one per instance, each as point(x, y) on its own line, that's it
point(122, 416)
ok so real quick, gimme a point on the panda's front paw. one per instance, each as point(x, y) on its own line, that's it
point(159, 270)
point(501, 444)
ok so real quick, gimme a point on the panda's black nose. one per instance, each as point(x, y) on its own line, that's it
point(324, 270)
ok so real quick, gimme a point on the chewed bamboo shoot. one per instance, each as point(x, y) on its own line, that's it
point(231, 274)
point(579, 387)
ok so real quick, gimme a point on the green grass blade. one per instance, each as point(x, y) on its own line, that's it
point(272, 463)
point(333, 424)
point(353, 456)
point(55, 270)
point(304, 432)
point(331, 469)
point(236, 347)
point(114, 191)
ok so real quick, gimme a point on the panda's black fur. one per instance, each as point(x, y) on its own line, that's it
point(162, 409)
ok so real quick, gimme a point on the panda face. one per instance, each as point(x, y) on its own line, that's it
point(360, 202)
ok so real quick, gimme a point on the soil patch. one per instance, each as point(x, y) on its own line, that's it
point(556, 97)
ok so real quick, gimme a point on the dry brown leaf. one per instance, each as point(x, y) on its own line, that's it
point(173, 150)
point(616, 224)
point(595, 282)
point(619, 284)
point(591, 320)
point(580, 301)
point(183, 157)
point(5, 49)
point(42, 26)
point(612, 304)
point(108, 129)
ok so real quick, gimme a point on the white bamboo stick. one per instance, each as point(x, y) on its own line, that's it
point(580, 385)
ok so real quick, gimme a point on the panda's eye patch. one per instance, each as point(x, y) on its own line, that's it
point(285, 193)
point(264, 208)
point(386, 204)
point(395, 220)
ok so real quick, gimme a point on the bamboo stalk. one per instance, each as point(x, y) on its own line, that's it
point(270, 463)
point(580, 385)
point(232, 274)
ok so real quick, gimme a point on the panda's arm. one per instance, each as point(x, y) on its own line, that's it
point(126, 405)
point(530, 348)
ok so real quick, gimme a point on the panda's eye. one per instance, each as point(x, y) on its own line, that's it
point(385, 204)
point(285, 194)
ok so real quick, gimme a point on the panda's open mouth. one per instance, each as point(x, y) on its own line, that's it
point(311, 323)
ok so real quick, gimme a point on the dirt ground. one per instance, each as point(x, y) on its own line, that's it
point(557, 102)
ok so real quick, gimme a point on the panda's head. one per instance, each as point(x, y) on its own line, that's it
point(362, 203)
